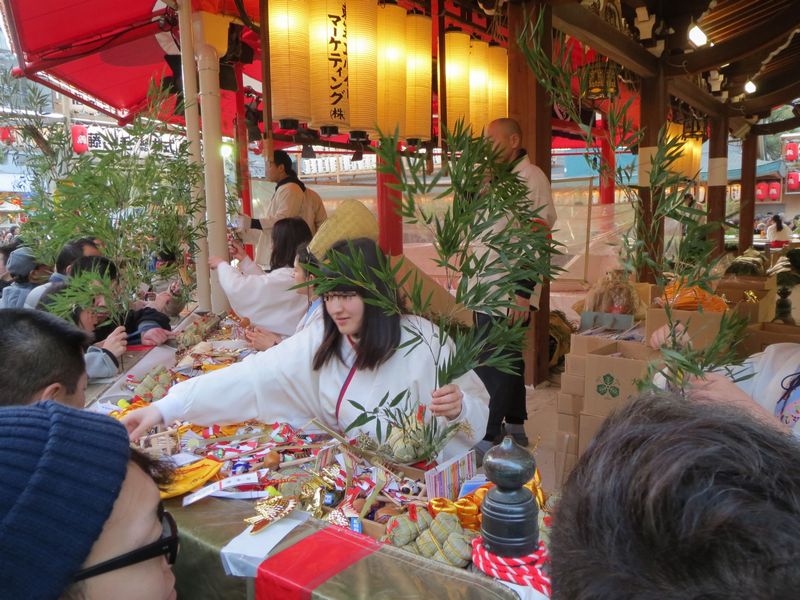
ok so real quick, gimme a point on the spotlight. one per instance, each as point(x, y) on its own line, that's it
point(749, 87)
point(697, 36)
point(226, 150)
point(357, 155)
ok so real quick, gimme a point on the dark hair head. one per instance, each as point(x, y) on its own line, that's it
point(287, 235)
point(53, 289)
point(281, 158)
point(38, 349)
point(380, 333)
point(95, 264)
point(8, 248)
point(778, 222)
point(305, 257)
point(678, 498)
point(69, 254)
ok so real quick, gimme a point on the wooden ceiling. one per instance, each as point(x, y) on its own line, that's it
point(753, 40)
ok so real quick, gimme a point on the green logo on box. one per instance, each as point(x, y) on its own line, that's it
point(608, 386)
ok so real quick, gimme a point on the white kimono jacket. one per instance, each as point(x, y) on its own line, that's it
point(778, 364)
point(265, 298)
point(279, 384)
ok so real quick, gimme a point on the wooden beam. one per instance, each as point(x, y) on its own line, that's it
point(717, 180)
point(768, 101)
point(529, 105)
point(684, 89)
point(747, 206)
point(777, 127)
point(587, 27)
point(767, 36)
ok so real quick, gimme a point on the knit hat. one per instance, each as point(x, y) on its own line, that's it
point(21, 262)
point(352, 220)
point(61, 471)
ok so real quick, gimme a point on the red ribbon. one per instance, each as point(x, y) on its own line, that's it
point(294, 573)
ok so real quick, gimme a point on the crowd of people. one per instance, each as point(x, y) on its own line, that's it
point(679, 496)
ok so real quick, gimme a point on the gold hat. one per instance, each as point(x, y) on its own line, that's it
point(352, 220)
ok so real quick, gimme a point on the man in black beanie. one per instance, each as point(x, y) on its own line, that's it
point(80, 515)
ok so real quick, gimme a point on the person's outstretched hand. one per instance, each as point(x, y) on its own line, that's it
point(661, 336)
point(261, 339)
point(139, 422)
point(156, 336)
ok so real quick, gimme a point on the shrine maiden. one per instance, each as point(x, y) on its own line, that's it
point(355, 353)
point(267, 299)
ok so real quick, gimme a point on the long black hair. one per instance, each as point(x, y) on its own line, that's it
point(380, 332)
point(287, 235)
point(778, 222)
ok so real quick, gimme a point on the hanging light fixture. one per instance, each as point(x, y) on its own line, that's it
point(330, 91)
point(391, 68)
point(362, 32)
point(750, 87)
point(602, 80)
point(418, 79)
point(289, 60)
point(694, 127)
point(478, 86)
point(456, 45)
point(308, 151)
point(688, 163)
point(498, 81)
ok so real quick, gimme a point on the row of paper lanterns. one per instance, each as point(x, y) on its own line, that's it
point(356, 66)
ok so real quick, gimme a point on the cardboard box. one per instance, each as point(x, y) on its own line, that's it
point(576, 364)
point(568, 426)
point(567, 404)
point(580, 345)
point(611, 375)
point(749, 282)
point(589, 426)
point(572, 384)
point(564, 463)
point(648, 292)
point(762, 311)
point(442, 302)
point(703, 327)
point(761, 335)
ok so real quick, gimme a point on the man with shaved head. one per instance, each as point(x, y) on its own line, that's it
point(507, 412)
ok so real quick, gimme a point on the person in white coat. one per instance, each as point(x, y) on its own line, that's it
point(357, 353)
point(267, 299)
point(766, 384)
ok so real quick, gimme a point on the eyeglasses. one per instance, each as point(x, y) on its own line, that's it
point(340, 295)
point(166, 545)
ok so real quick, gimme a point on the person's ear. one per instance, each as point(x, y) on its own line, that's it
point(54, 391)
point(69, 270)
point(516, 141)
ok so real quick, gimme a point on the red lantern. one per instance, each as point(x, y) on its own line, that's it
point(791, 152)
point(774, 190)
point(80, 139)
point(7, 135)
point(793, 180)
point(761, 190)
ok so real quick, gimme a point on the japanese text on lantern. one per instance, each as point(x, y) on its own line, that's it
point(337, 66)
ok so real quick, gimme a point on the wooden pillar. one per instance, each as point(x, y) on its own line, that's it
point(747, 206)
point(529, 105)
point(242, 163)
point(718, 180)
point(654, 103)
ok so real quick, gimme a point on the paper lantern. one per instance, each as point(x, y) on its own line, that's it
point(362, 31)
point(761, 190)
point(793, 180)
point(791, 151)
point(7, 135)
point(391, 68)
point(289, 62)
point(457, 77)
point(478, 86)
point(688, 165)
point(330, 92)
point(497, 58)
point(80, 139)
point(418, 78)
point(774, 191)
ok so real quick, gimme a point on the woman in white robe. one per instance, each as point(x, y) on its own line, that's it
point(356, 353)
point(267, 299)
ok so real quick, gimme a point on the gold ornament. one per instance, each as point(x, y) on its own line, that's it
point(270, 510)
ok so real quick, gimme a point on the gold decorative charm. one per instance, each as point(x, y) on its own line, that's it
point(751, 297)
point(270, 510)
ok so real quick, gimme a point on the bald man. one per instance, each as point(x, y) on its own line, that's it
point(507, 411)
